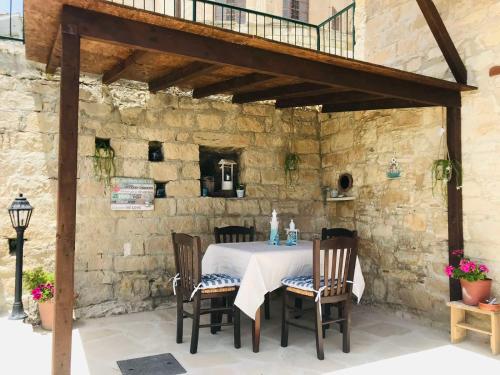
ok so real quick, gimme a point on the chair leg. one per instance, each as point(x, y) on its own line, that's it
point(346, 327)
point(298, 306)
point(267, 306)
point(284, 320)
point(213, 316)
point(319, 332)
point(228, 302)
point(340, 313)
point(180, 317)
point(196, 323)
point(328, 314)
point(237, 327)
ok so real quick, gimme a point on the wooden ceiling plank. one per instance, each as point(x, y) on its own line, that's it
point(372, 105)
point(332, 97)
point(117, 71)
point(230, 84)
point(54, 60)
point(443, 40)
point(183, 74)
point(135, 34)
point(277, 92)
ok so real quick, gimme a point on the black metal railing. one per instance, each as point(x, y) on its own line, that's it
point(336, 35)
point(12, 19)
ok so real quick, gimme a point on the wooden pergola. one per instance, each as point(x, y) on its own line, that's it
point(95, 36)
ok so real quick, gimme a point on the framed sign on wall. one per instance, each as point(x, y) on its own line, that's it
point(132, 194)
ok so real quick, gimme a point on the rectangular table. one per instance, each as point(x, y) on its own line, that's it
point(261, 267)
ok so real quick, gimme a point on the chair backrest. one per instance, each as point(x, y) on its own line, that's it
point(339, 258)
point(234, 234)
point(187, 254)
point(327, 233)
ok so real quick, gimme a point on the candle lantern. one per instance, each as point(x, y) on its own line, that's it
point(292, 234)
point(274, 235)
point(227, 169)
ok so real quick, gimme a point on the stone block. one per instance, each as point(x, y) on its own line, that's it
point(130, 149)
point(163, 171)
point(258, 109)
point(134, 168)
point(184, 188)
point(209, 121)
point(242, 207)
point(222, 139)
point(161, 134)
point(173, 118)
point(272, 176)
point(267, 140)
point(307, 146)
point(181, 151)
point(251, 124)
point(190, 171)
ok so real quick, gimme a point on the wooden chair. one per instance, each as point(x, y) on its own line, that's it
point(189, 288)
point(335, 289)
point(327, 233)
point(234, 233)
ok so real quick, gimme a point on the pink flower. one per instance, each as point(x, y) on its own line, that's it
point(472, 266)
point(36, 293)
point(466, 266)
point(483, 268)
point(449, 270)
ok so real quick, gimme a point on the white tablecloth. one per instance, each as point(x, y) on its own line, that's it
point(261, 268)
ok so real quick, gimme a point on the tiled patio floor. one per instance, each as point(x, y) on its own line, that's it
point(381, 344)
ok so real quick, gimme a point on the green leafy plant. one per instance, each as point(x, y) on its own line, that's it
point(292, 164)
point(36, 277)
point(443, 171)
point(240, 187)
point(104, 161)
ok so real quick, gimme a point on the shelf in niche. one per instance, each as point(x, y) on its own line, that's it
point(340, 199)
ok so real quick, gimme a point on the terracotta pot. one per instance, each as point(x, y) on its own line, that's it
point(46, 310)
point(474, 292)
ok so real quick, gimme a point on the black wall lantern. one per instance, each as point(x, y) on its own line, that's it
point(20, 215)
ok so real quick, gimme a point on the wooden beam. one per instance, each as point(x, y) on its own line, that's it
point(455, 210)
point(372, 105)
point(136, 34)
point(443, 40)
point(277, 92)
point(183, 74)
point(66, 201)
point(329, 98)
point(117, 71)
point(494, 71)
point(230, 84)
point(55, 55)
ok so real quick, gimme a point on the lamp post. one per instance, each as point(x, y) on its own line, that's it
point(20, 215)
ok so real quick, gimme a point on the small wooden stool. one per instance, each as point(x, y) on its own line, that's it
point(459, 327)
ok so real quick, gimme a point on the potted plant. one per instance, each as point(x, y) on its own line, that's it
point(240, 190)
point(41, 284)
point(476, 287)
point(104, 161)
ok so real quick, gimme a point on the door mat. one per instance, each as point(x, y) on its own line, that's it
point(161, 364)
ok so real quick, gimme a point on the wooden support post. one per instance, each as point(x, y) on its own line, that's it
point(455, 212)
point(66, 201)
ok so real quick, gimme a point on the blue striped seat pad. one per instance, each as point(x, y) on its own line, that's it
point(218, 280)
point(303, 282)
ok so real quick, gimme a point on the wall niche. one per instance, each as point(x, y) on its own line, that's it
point(211, 174)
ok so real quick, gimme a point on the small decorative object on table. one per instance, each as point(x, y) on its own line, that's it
point(240, 191)
point(334, 193)
point(491, 304)
point(292, 234)
point(393, 171)
point(476, 287)
point(41, 284)
point(274, 236)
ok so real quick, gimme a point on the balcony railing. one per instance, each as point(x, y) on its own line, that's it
point(336, 35)
point(11, 20)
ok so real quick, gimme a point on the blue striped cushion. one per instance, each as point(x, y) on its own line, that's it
point(303, 282)
point(218, 280)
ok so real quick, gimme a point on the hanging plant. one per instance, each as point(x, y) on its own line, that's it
point(104, 161)
point(444, 169)
point(292, 159)
point(292, 163)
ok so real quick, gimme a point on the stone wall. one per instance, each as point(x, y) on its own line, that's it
point(106, 280)
point(403, 227)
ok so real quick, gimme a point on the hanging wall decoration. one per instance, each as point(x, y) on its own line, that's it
point(104, 161)
point(393, 171)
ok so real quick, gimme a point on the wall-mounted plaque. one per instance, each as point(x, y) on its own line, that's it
point(132, 194)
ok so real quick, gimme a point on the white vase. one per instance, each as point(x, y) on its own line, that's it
point(240, 193)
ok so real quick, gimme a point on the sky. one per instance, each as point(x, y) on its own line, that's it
point(17, 6)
